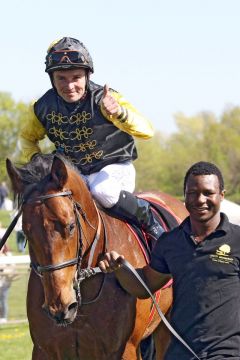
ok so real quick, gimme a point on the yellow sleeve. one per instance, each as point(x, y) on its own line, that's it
point(130, 120)
point(30, 134)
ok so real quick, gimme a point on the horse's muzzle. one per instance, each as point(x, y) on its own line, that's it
point(62, 317)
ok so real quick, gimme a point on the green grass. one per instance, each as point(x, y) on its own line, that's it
point(15, 341)
point(5, 218)
point(18, 289)
point(17, 296)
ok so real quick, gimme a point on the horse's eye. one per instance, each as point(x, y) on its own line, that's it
point(71, 228)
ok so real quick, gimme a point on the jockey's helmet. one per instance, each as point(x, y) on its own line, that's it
point(67, 53)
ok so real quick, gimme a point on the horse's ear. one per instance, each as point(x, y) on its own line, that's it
point(59, 172)
point(15, 177)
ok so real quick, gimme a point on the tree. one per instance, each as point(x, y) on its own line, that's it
point(163, 162)
point(12, 115)
point(149, 164)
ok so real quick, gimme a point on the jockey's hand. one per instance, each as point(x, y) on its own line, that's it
point(111, 262)
point(109, 103)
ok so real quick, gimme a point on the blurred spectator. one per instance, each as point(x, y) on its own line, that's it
point(20, 236)
point(7, 275)
point(3, 194)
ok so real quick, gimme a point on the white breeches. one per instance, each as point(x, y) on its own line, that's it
point(107, 184)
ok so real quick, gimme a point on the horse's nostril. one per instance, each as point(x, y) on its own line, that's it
point(72, 306)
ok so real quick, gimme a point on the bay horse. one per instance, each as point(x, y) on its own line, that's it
point(73, 312)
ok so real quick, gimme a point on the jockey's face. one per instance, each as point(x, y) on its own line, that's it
point(70, 84)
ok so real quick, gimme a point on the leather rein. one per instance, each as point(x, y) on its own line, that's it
point(92, 271)
point(82, 274)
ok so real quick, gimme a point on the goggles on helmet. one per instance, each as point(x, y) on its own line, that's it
point(65, 57)
point(67, 53)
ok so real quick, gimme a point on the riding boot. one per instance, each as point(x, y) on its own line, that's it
point(137, 211)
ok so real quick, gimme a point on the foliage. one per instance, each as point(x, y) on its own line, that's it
point(12, 117)
point(163, 160)
point(149, 164)
point(163, 163)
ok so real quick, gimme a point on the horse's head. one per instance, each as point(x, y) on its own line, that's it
point(53, 224)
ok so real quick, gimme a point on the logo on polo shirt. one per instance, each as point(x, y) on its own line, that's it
point(224, 250)
point(222, 255)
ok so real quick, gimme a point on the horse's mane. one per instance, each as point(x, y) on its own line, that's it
point(36, 173)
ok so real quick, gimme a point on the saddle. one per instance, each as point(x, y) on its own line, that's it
point(163, 214)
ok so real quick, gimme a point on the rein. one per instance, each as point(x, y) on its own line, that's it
point(130, 268)
point(89, 271)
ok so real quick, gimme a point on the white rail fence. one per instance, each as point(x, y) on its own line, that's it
point(14, 259)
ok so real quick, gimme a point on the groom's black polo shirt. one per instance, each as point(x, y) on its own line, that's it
point(206, 285)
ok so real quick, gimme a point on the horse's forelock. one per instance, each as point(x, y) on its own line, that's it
point(37, 171)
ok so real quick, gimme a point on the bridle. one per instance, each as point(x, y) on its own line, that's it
point(40, 269)
point(78, 259)
point(81, 274)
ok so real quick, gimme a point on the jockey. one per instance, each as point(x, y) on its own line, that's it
point(93, 126)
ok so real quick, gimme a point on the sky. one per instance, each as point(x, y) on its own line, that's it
point(164, 56)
